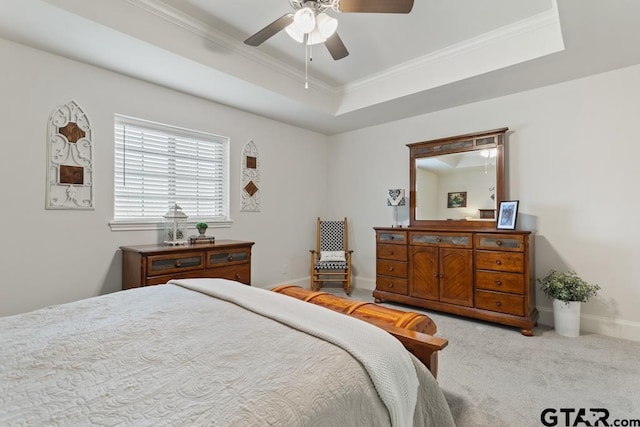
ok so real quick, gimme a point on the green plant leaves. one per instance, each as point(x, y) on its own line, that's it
point(567, 286)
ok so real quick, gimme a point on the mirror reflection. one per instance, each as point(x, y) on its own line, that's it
point(456, 186)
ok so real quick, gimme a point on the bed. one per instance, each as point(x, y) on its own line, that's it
point(208, 352)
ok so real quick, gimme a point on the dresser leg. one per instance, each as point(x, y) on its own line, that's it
point(527, 332)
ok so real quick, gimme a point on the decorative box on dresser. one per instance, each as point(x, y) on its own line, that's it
point(483, 273)
point(146, 265)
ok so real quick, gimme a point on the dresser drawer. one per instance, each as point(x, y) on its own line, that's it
point(448, 240)
point(502, 303)
point(239, 273)
point(394, 237)
point(394, 252)
point(512, 283)
point(228, 257)
point(173, 263)
point(500, 242)
point(500, 261)
point(392, 284)
point(392, 268)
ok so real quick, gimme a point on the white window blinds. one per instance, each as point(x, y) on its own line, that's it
point(158, 165)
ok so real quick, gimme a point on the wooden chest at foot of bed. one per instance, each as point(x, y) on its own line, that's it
point(414, 330)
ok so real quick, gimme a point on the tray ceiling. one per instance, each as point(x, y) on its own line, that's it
point(444, 53)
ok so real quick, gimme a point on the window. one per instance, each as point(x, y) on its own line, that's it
point(157, 165)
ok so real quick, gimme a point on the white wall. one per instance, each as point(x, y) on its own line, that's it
point(571, 151)
point(572, 162)
point(73, 254)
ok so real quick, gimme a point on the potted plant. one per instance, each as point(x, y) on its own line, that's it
point(568, 291)
point(202, 228)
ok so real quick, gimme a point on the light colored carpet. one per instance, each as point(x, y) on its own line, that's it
point(493, 376)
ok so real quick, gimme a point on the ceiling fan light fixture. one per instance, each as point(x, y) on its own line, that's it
point(326, 24)
point(315, 37)
point(305, 20)
point(295, 33)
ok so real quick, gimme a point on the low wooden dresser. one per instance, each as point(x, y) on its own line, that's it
point(485, 274)
point(146, 265)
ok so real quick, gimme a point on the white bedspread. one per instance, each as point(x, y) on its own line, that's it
point(168, 356)
point(387, 362)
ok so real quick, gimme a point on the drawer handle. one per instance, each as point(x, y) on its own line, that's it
point(498, 282)
point(390, 268)
point(390, 285)
point(237, 276)
point(230, 258)
point(438, 239)
point(392, 237)
point(498, 242)
point(178, 264)
point(499, 262)
point(391, 253)
point(498, 303)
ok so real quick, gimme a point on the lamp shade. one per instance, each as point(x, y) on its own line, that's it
point(295, 33)
point(326, 25)
point(305, 19)
point(315, 37)
point(395, 197)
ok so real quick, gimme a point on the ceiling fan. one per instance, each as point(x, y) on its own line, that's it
point(311, 25)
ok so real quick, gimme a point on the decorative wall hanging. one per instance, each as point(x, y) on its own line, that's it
point(70, 159)
point(250, 178)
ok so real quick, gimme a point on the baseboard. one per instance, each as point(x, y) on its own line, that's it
point(366, 284)
point(598, 325)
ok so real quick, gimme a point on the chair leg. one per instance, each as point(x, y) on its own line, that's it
point(347, 283)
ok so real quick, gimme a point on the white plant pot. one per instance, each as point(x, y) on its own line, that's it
point(566, 318)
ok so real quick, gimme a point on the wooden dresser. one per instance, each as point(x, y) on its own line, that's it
point(157, 264)
point(485, 274)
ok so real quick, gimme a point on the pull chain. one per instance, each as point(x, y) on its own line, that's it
point(306, 61)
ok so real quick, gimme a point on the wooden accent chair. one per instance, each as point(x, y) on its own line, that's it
point(331, 260)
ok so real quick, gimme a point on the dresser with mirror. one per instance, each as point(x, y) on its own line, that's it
point(452, 257)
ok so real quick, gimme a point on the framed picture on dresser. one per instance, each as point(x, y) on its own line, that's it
point(507, 215)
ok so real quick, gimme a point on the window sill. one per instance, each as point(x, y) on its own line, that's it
point(133, 225)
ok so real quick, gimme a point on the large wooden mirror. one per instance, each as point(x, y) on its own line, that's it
point(457, 181)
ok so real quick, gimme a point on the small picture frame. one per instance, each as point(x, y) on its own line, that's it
point(457, 199)
point(507, 215)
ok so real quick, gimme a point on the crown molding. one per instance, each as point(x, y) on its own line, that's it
point(199, 28)
point(515, 30)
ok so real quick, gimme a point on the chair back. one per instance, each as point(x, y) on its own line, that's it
point(332, 235)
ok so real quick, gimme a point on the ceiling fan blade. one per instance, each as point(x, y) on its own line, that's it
point(269, 31)
point(376, 6)
point(335, 46)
